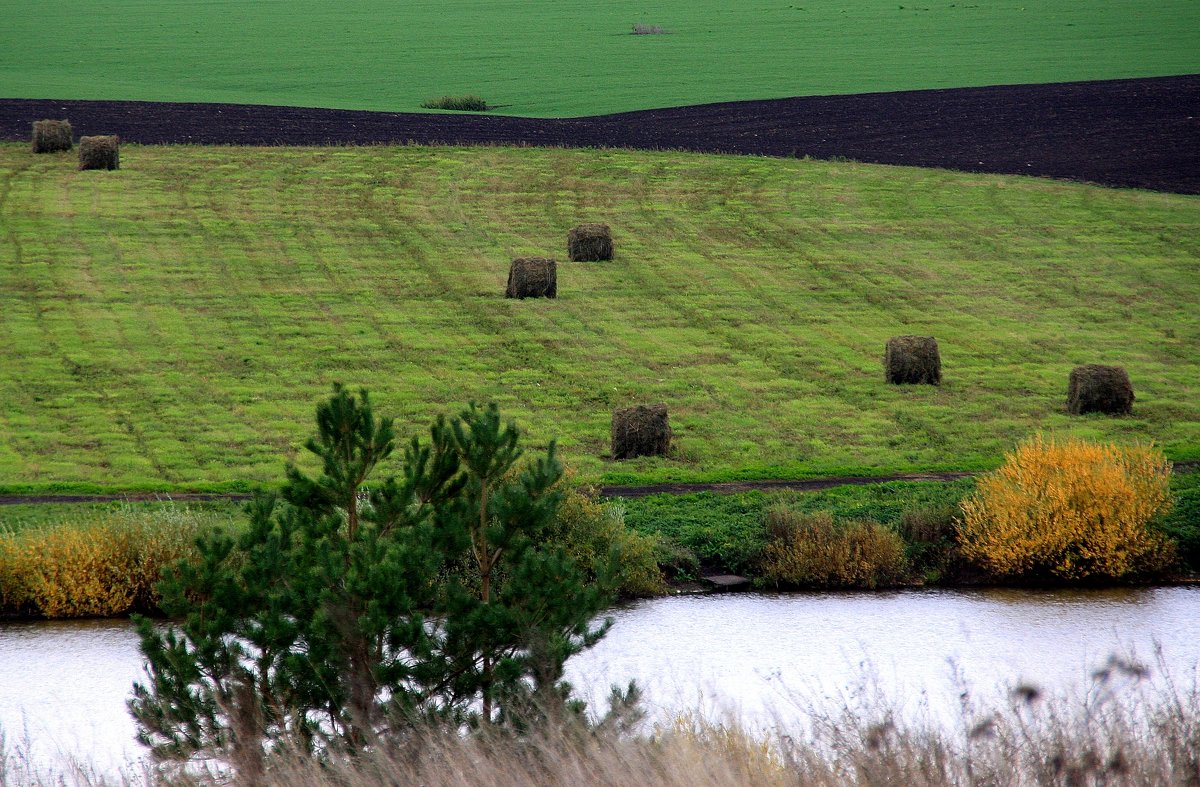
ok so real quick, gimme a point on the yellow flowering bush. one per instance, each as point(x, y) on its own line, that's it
point(1069, 509)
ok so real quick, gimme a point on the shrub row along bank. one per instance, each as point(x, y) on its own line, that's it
point(769, 536)
point(96, 563)
point(103, 561)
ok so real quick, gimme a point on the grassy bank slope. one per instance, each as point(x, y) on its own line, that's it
point(571, 57)
point(170, 325)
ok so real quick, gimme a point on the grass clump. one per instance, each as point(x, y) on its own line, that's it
point(468, 103)
point(816, 551)
point(1070, 510)
point(641, 29)
point(702, 530)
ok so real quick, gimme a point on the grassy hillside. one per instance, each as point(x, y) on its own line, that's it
point(569, 57)
point(172, 324)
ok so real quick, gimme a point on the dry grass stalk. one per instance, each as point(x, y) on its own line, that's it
point(532, 277)
point(51, 136)
point(103, 152)
point(1099, 389)
point(642, 430)
point(812, 550)
point(1123, 732)
point(590, 243)
point(912, 360)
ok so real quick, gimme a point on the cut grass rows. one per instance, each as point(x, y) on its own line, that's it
point(170, 325)
point(571, 57)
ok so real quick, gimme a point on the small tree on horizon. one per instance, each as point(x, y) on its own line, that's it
point(351, 609)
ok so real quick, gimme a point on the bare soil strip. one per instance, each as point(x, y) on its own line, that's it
point(1142, 133)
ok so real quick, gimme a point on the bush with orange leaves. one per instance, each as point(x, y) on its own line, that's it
point(1070, 510)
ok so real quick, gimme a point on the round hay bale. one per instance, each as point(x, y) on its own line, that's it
point(99, 153)
point(912, 360)
point(532, 277)
point(1099, 389)
point(590, 243)
point(641, 430)
point(51, 136)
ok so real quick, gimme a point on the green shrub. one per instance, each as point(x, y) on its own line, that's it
point(676, 561)
point(589, 531)
point(470, 103)
point(1182, 522)
point(814, 550)
point(930, 543)
point(322, 629)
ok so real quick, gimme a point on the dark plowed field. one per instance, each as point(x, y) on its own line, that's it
point(1141, 133)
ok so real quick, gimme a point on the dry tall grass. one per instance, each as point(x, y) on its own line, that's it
point(1123, 732)
point(813, 550)
point(1126, 730)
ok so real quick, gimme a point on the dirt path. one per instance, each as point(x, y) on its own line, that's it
point(1141, 133)
point(724, 488)
point(809, 485)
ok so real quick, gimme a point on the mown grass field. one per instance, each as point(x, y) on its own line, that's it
point(171, 325)
point(569, 57)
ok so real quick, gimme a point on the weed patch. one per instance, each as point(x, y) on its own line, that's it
point(457, 103)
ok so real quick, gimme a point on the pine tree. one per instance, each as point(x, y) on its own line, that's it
point(351, 609)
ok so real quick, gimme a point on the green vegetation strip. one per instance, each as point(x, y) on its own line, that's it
point(169, 325)
point(727, 531)
point(572, 57)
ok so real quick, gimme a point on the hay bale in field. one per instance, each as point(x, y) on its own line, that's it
point(532, 277)
point(1099, 389)
point(99, 152)
point(912, 360)
point(641, 430)
point(51, 136)
point(590, 243)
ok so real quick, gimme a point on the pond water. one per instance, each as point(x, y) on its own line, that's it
point(766, 659)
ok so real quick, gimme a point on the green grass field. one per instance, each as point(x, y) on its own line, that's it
point(569, 57)
point(172, 324)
